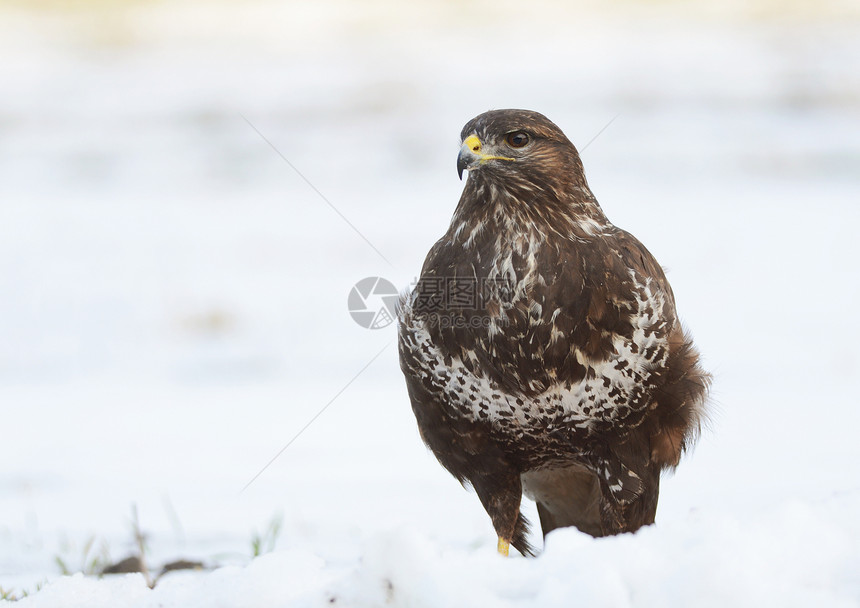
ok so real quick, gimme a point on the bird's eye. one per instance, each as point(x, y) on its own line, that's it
point(517, 139)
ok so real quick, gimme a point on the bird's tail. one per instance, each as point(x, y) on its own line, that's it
point(521, 537)
point(682, 402)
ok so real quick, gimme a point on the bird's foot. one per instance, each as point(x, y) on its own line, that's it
point(504, 546)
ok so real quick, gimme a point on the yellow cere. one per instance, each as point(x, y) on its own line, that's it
point(473, 143)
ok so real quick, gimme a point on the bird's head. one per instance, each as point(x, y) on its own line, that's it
point(518, 145)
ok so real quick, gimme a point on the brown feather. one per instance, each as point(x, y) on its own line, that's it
point(568, 373)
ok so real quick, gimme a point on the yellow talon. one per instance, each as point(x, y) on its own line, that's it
point(504, 546)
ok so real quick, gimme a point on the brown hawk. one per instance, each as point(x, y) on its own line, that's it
point(541, 347)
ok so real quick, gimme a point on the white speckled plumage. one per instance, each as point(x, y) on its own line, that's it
point(455, 383)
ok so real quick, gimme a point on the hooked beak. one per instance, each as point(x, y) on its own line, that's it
point(471, 155)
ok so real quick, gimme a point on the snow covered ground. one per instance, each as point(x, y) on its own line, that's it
point(174, 294)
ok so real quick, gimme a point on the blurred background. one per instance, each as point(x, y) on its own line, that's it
point(187, 193)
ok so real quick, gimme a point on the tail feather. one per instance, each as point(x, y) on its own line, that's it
point(521, 535)
point(681, 402)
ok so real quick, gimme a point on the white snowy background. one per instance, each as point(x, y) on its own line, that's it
point(173, 295)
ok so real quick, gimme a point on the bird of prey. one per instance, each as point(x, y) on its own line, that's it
point(541, 346)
